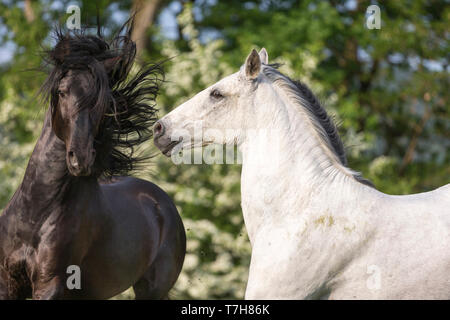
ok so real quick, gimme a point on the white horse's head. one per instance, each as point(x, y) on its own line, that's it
point(224, 111)
point(262, 109)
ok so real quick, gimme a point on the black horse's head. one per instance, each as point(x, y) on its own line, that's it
point(99, 117)
point(79, 101)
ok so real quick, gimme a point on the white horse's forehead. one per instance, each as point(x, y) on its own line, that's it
point(229, 80)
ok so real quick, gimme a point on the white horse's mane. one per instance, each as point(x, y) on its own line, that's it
point(321, 123)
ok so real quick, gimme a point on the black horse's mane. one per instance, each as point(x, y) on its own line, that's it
point(125, 102)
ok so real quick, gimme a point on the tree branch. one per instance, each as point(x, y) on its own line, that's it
point(28, 11)
point(145, 11)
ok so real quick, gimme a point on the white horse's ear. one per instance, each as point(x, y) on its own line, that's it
point(264, 56)
point(252, 65)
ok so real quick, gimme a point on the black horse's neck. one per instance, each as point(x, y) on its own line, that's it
point(47, 181)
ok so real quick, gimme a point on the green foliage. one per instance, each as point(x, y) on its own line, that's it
point(207, 196)
point(387, 88)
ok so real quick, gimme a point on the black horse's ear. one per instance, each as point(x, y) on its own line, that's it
point(111, 64)
point(61, 51)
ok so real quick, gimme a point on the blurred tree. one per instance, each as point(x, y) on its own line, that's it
point(146, 12)
point(29, 11)
point(208, 196)
point(18, 108)
point(388, 85)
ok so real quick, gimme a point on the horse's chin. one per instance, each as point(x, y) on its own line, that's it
point(79, 173)
point(167, 150)
point(178, 145)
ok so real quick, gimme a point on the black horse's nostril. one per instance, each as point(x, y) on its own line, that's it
point(158, 129)
point(73, 159)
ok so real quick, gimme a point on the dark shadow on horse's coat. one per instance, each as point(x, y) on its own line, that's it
point(121, 232)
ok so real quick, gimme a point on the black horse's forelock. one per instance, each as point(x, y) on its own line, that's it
point(125, 103)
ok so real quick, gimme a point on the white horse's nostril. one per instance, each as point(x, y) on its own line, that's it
point(158, 129)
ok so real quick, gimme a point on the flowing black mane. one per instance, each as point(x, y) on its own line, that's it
point(125, 103)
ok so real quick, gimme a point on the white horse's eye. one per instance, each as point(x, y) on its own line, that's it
point(216, 94)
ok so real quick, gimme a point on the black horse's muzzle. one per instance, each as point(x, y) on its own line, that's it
point(81, 163)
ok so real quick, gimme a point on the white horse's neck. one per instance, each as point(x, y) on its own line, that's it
point(287, 175)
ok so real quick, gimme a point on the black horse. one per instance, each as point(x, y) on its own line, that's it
point(119, 232)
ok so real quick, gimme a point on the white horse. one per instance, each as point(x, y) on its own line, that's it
point(318, 230)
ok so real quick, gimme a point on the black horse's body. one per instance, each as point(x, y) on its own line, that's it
point(121, 233)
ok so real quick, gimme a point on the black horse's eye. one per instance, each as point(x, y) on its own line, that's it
point(60, 93)
point(216, 94)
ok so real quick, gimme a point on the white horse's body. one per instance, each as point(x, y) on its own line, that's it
point(339, 240)
point(316, 230)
